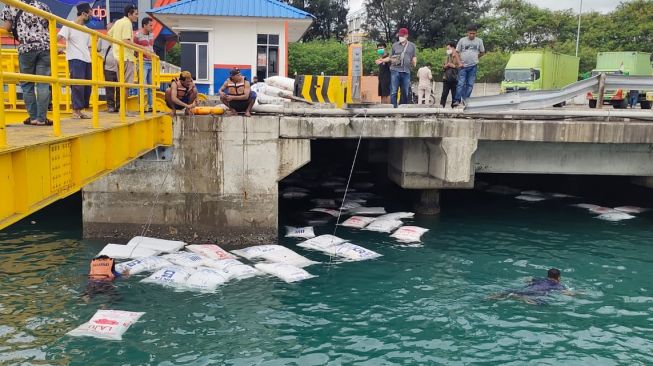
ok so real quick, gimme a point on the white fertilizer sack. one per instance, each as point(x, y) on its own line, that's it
point(286, 272)
point(348, 205)
point(409, 234)
point(147, 264)
point(529, 198)
point(186, 259)
point(234, 269)
point(262, 98)
point(210, 251)
point(174, 276)
point(357, 222)
point(281, 82)
point(107, 324)
point(383, 226)
point(368, 211)
point(300, 232)
point(397, 216)
point(206, 279)
point(275, 254)
point(328, 211)
point(586, 205)
point(322, 242)
point(163, 246)
point(615, 216)
point(353, 252)
point(602, 210)
point(631, 209)
point(119, 251)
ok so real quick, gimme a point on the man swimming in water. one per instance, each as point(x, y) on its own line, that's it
point(536, 289)
point(101, 276)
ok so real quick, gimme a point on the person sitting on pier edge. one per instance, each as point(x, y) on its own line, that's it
point(181, 94)
point(236, 94)
point(101, 276)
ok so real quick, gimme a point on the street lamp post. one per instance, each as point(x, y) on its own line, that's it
point(580, 13)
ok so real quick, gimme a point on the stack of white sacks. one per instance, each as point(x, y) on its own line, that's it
point(275, 90)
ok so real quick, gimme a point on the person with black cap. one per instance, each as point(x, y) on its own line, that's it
point(236, 94)
point(78, 54)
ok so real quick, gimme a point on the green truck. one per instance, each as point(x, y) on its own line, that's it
point(539, 70)
point(622, 63)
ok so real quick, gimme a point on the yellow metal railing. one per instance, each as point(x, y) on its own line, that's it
point(57, 81)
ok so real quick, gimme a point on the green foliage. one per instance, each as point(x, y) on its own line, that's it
point(491, 66)
point(173, 56)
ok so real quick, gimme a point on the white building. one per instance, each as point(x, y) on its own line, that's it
point(218, 35)
point(355, 22)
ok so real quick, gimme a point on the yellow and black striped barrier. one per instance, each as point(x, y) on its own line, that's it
point(320, 89)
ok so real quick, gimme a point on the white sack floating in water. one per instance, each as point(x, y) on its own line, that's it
point(602, 210)
point(357, 222)
point(327, 211)
point(321, 242)
point(160, 245)
point(210, 251)
point(397, 216)
point(631, 209)
point(119, 251)
point(383, 226)
point(234, 269)
point(275, 254)
point(174, 276)
point(284, 271)
point(300, 232)
point(530, 198)
point(409, 234)
point(615, 216)
point(368, 211)
point(206, 279)
point(146, 264)
point(353, 252)
point(587, 206)
point(186, 259)
point(107, 324)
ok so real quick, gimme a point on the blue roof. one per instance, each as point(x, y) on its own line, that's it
point(234, 8)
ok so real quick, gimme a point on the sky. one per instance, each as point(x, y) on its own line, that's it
point(598, 5)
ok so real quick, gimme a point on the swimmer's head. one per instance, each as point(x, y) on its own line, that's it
point(553, 274)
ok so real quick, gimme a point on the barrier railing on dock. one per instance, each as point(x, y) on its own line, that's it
point(57, 79)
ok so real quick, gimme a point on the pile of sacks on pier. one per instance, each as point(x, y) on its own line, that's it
point(206, 266)
point(275, 90)
point(602, 213)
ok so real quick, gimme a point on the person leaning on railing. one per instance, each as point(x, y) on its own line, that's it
point(110, 67)
point(78, 54)
point(33, 57)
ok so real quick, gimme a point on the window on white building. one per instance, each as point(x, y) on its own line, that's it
point(267, 56)
point(195, 54)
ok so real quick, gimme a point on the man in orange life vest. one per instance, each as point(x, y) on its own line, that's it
point(236, 94)
point(100, 279)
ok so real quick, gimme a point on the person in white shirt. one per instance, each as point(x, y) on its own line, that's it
point(78, 55)
point(425, 78)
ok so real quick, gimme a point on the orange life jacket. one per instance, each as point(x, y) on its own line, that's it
point(101, 269)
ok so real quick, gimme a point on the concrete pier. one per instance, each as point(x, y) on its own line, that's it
point(219, 183)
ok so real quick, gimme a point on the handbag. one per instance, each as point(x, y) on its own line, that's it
point(450, 74)
point(398, 60)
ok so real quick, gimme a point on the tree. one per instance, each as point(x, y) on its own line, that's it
point(330, 18)
point(430, 22)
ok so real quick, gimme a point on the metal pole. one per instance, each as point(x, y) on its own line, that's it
point(107, 5)
point(580, 13)
point(95, 76)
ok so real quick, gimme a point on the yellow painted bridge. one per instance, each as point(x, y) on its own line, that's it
point(42, 164)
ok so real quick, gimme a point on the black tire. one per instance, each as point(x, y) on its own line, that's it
point(592, 103)
point(645, 104)
point(620, 104)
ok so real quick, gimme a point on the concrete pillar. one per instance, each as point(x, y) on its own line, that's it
point(432, 163)
point(429, 202)
point(219, 187)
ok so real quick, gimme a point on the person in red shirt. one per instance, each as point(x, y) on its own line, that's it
point(145, 38)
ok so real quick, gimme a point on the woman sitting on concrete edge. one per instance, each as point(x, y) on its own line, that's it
point(181, 94)
point(236, 94)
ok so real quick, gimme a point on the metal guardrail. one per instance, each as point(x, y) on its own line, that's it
point(547, 98)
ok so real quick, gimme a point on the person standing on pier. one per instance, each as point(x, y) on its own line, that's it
point(78, 54)
point(145, 38)
point(471, 48)
point(384, 72)
point(403, 57)
point(450, 76)
point(425, 78)
point(31, 31)
point(110, 67)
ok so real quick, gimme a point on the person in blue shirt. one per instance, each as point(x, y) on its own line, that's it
point(536, 290)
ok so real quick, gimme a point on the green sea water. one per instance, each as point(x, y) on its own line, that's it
point(419, 305)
